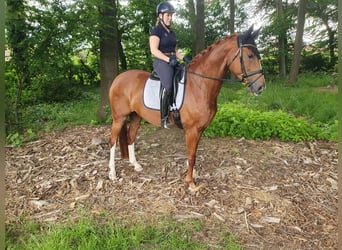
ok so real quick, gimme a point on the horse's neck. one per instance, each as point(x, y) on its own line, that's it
point(213, 64)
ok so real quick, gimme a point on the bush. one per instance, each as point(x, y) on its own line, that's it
point(238, 121)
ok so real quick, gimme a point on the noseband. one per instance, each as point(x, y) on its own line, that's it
point(244, 74)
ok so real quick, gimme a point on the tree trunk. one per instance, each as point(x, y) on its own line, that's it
point(108, 53)
point(190, 5)
point(200, 40)
point(331, 44)
point(281, 40)
point(298, 43)
point(231, 17)
point(122, 56)
point(232, 26)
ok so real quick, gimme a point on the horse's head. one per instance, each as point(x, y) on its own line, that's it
point(248, 68)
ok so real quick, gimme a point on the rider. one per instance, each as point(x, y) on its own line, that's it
point(163, 48)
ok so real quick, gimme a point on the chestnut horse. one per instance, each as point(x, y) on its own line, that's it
point(235, 53)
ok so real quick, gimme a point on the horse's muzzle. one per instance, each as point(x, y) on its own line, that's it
point(256, 88)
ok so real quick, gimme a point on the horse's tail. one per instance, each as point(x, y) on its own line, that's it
point(123, 141)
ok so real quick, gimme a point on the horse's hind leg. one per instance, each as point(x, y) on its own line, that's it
point(134, 125)
point(116, 128)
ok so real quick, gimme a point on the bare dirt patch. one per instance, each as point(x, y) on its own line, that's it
point(329, 89)
point(268, 194)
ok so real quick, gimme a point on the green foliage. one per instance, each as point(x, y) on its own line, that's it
point(321, 27)
point(135, 33)
point(299, 100)
point(55, 52)
point(315, 62)
point(238, 121)
point(217, 20)
point(15, 139)
point(229, 242)
point(45, 50)
point(105, 233)
point(18, 140)
point(49, 116)
point(287, 113)
point(61, 115)
point(284, 112)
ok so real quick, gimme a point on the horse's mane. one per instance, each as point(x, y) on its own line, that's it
point(246, 38)
point(209, 48)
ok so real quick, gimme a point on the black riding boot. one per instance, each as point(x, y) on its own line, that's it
point(164, 109)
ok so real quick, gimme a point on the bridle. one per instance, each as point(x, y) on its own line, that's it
point(245, 75)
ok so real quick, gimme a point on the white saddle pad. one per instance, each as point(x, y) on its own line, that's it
point(151, 95)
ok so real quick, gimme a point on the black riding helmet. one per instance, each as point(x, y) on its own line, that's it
point(165, 7)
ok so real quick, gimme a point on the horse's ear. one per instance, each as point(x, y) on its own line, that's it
point(249, 31)
point(246, 35)
point(256, 33)
point(249, 36)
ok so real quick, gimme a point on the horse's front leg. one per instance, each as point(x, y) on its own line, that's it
point(192, 139)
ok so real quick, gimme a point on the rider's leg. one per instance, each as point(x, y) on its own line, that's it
point(165, 108)
point(165, 73)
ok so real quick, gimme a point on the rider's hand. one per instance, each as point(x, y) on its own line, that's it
point(186, 60)
point(173, 61)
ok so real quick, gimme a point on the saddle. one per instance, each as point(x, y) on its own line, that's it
point(180, 72)
point(179, 79)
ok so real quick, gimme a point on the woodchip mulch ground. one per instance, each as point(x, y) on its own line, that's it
point(268, 194)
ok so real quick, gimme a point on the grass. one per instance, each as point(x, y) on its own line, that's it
point(106, 233)
point(300, 100)
point(61, 115)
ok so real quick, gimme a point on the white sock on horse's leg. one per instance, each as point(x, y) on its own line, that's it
point(112, 172)
point(132, 159)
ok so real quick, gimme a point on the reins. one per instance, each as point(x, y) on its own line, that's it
point(245, 75)
point(219, 79)
point(214, 78)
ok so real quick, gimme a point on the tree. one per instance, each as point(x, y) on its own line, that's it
point(324, 12)
point(276, 32)
point(108, 52)
point(17, 30)
point(135, 22)
point(200, 39)
point(298, 43)
point(231, 16)
point(281, 39)
point(190, 14)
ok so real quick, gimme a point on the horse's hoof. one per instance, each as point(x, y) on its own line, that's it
point(137, 167)
point(113, 177)
point(193, 188)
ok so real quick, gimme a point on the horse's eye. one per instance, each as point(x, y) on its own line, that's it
point(250, 56)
